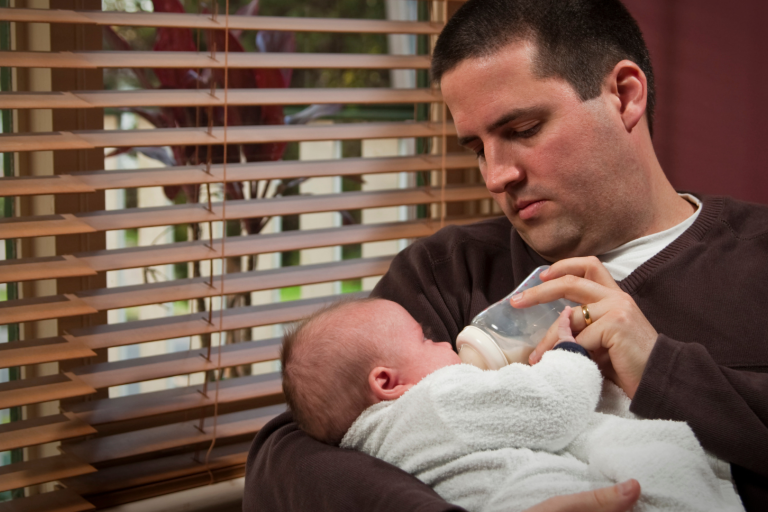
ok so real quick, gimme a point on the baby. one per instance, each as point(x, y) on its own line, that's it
point(362, 375)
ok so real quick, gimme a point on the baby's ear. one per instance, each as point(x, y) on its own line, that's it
point(385, 384)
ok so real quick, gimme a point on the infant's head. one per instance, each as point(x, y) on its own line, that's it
point(351, 355)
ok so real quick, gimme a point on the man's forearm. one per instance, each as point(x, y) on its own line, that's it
point(288, 471)
point(726, 408)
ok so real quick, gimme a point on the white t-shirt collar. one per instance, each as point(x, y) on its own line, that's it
point(624, 259)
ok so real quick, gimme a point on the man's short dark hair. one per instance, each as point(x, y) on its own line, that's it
point(577, 40)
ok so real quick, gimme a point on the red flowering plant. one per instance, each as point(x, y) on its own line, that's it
point(182, 39)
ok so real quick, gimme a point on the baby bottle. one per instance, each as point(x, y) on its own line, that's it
point(501, 334)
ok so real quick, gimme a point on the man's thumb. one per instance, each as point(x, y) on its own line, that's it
point(618, 498)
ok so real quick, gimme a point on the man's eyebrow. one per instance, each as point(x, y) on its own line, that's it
point(463, 141)
point(504, 119)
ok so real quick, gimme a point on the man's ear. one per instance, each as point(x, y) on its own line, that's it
point(386, 383)
point(629, 86)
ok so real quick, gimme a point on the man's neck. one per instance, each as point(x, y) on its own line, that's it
point(669, 209)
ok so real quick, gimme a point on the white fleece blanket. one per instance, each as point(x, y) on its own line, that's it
point(509, 439)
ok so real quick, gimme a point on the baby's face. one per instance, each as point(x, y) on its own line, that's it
point(416, 355)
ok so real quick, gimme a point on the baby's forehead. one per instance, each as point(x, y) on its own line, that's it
point(378, 315)
point(385, 310)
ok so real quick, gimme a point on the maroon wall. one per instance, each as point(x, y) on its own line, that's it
point(710, 60)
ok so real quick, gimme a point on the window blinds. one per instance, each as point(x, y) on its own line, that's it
point(124, 385)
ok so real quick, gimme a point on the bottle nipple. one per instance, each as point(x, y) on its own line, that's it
point(469, 355)
point(484, 352)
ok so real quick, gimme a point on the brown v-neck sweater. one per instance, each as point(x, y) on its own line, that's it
point(706, 294)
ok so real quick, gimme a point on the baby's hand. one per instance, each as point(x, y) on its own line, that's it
point(563, 327)
point(564, 332)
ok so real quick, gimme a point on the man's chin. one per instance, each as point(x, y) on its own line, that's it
point(551, 248)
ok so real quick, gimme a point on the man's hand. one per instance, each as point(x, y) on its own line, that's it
point(619, 337)
point(619, 498)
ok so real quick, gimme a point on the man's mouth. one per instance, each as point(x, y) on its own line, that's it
point(528, 209)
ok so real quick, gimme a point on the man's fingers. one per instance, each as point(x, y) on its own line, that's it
point(589, 268)
point(556, 333)
point(618, 498)
point(576, 289)
point(591, 338)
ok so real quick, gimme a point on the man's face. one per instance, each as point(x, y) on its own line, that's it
point(560, 168)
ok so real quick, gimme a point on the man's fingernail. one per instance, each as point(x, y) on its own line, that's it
point(625, 488)
point(517, 297)
point(532, 357)
point(544, 273)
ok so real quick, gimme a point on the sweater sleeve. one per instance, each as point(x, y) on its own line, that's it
point(726, 408)
point(541, 407)
point(287, 471)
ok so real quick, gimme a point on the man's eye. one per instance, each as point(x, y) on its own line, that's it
point(530, 132)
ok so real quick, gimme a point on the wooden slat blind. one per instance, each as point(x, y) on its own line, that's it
point(179, 20)
point(48, 225)
point(192, 60)
point(184, 97)
point(235, 135)
point(152, 288)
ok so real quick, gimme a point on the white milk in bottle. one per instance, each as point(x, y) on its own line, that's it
point(501, 335)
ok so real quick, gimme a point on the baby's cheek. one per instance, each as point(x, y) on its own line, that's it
point(449, 357)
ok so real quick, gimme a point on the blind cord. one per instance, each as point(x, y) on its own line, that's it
point(443, 171)
point(444, 148)
point(222, 297)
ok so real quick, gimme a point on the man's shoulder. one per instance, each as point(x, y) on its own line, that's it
point(743, 219)
point(488, 234)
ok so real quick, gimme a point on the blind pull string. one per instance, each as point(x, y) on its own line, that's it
point(197, 87)
point(443, 171)
point(197, 162)
point(208, 185)
point(223, 238)
point(207, 356)
point(444, 148)
point(216, 371)
point(433, 91)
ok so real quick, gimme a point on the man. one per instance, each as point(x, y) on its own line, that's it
point(556, 98)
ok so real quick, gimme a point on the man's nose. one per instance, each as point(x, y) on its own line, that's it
point(500, 171)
